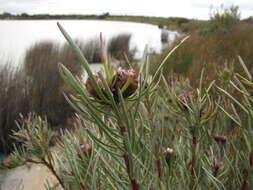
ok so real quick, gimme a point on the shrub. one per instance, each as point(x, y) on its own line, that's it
point(162, 136)
point(226, 16)
point(222, 20)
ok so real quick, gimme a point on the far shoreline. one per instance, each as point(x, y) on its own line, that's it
point(173, 23)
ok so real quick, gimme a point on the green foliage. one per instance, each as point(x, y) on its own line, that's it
point(226, 16)
point(223, 20)
point(165, 135)
point(104, 15)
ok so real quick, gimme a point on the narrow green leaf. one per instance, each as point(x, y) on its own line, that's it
point(83, 61)
point(169, 54)
point(245, 68)
point(232, 98)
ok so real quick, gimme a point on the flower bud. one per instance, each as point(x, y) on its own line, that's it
point(168, 155)
point(120, 79)
point(91, 89)
point(220, 139)
point(216, 167)
point(124, 80)
point(184, 99)
point(86, 148)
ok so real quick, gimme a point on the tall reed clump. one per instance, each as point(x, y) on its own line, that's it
point(118, 47)
point(133, 132)
point(90, 49)
point(14, 100)
point(45, 85)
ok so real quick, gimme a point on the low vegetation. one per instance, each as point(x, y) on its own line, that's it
point(162, 135)
point(213, 46)
point(182, 121)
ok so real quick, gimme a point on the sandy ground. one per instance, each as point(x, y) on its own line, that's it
point(28, 177)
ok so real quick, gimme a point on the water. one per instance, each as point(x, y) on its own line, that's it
point(16, 36)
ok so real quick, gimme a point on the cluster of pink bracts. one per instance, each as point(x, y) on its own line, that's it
point(119, 80)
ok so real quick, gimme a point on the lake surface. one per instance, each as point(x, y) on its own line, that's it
point(18, 35)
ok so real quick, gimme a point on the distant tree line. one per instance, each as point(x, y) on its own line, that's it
point(7, 15)
point(173, 23)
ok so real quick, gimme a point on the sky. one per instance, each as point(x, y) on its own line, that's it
point(196, 9)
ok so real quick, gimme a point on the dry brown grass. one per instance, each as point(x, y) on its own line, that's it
point(211, 52)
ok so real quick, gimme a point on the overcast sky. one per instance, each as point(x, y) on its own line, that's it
point(198, 9)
